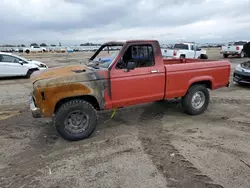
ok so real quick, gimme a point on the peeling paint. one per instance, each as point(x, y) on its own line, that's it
point(62, 82)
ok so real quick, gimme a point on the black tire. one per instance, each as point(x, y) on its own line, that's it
point(27, 51)
point(225, 55)
point(182, 56)
point(186, 101)
point(242, 54)
point(61, 116)
point(29, 73)
point(204, 56)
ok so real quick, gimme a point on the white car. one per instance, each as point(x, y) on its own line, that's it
point(34, 49)
point(13, 65)
point(184, 50)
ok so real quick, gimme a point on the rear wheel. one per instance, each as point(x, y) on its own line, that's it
point(182, 56)
point(204, 56)
point(225, 55)
point(242, 54)
point(75, 120)
point(196, 100)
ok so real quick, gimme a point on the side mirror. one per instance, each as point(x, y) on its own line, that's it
point(130, 66)
point(20, 62)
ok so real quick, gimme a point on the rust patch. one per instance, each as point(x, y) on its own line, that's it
point(62, 82)
point(56, 72)
point(55, 93)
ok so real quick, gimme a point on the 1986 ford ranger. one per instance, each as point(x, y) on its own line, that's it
point(137, 74)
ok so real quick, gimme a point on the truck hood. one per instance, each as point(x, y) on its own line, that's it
point(65, 74)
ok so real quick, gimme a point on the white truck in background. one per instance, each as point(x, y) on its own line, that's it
point(234, 49)
point(184, 50)
point(34, 49)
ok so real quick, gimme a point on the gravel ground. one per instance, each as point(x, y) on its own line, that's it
point(150, 145)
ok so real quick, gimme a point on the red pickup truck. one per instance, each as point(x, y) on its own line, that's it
point(136, 74)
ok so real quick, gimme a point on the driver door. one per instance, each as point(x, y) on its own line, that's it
point(143, 84)
point(12, 67)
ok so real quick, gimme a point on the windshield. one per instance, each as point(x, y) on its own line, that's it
point(240, 43)
point(105, 55)
point(181, 46)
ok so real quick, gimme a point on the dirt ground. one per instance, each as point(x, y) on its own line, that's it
point(150, 145)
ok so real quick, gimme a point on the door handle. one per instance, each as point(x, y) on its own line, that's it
point(154, 71)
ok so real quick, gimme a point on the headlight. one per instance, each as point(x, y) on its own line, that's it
point(238, 68)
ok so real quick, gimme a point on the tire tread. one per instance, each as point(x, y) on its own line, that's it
point(65, 107)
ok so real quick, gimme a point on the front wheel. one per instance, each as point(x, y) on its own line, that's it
point(75, 120)
point(196, 100)
point(30, 72)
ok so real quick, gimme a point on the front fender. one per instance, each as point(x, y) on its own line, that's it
point(48, 97)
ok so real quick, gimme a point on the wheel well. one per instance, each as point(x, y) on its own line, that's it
point(91, 99)
point(207, 83)
point(183, 55)
point(32, 70)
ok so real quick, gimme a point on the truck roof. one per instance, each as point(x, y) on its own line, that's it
point(187, 43)
point(121, 42)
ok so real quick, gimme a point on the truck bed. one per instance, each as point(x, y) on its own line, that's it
point(181, 61)
point(181, 73)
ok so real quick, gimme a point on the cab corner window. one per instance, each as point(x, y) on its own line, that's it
point(142, 55)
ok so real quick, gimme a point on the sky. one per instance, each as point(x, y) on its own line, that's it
point(79, 21)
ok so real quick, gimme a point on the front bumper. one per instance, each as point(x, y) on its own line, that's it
point(35, 112)
point(241, 77)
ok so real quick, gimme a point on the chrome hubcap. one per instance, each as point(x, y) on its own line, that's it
point(76, 122)
point(198, 100)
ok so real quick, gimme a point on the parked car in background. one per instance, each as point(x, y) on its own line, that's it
point(34, 49)
point(234, 49)
point(184, 50)
point(13, 65)
point(242, 73)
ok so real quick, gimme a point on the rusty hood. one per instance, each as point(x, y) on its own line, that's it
point(67, 74)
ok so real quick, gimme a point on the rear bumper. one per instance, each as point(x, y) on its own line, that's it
point(231, 53)
point(240, 77)
point(35, 112)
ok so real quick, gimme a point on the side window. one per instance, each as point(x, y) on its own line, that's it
point(192, 47)
point(142, 55)
point(9, 59)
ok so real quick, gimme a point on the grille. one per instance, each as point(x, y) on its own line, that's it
point(242, 77)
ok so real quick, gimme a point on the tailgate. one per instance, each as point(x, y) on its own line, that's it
point(167, 52)
point(229, 48)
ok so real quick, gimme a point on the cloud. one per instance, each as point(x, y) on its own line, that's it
point(77, 21)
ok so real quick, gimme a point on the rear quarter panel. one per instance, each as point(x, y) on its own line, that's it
point(179, 77)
